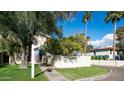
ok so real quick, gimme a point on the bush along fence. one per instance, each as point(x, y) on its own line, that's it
point(99, 57)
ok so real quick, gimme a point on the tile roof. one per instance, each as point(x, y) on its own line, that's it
point(104, 48)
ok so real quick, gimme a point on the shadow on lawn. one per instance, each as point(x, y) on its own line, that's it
point(3, 65)
point(48, 70)
point(39, 73)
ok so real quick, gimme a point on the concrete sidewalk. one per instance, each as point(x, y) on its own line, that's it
point(53, 75)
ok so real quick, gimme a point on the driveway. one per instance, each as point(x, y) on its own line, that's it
point(116, 75)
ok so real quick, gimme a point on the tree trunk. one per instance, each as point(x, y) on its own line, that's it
point(114, 39)
point(54, 58)
point(24, 62)
point(86, 40)
point(13, 59)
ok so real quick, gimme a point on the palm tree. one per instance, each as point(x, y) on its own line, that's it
point(86, 17)
point(113, 17)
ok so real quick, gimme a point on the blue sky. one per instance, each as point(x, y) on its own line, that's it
point(97, 28)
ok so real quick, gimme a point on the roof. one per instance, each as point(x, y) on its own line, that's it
point(99, 49)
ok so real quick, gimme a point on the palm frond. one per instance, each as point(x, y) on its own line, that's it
point(87, 17)
point(113, 16)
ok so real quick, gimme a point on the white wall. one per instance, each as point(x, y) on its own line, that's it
point(82, 61)
point(107, 63)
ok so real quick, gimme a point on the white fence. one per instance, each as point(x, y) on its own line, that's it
point(115, 63)
point(82, 61)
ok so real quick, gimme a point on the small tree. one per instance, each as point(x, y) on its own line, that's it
point(120, 44)
point(9, 44)
point(64, 46)
point(89, 47)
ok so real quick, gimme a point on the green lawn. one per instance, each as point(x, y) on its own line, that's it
point(13, 73)
point(82, 72)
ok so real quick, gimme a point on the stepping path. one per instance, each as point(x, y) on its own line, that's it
point(53, 75)
point(117, 74)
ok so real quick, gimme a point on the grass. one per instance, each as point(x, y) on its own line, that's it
point(14, 73)
point(82, 72)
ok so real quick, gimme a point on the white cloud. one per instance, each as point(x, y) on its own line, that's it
point(108, 37)
point(106, 41)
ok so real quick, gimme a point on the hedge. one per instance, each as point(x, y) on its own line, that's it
point(99, 57)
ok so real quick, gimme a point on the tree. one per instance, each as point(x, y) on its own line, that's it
point(26, 25)
point(120, 44)
point(113, 17)
point(53, 46)
point(21, 24)
point(89, 47)
point(9, 43)
point(65, 46)
point(69, 46)
point(86, 17)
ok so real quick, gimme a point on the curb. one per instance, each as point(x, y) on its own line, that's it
point(97, 77)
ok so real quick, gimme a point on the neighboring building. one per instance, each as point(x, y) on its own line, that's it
point(102, 51)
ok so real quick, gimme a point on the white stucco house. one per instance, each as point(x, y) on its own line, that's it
point(102, 51)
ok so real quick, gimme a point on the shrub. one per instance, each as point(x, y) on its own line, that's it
point(101, 57)
point(97, 57)
point(93, 57)
point(106, 57)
